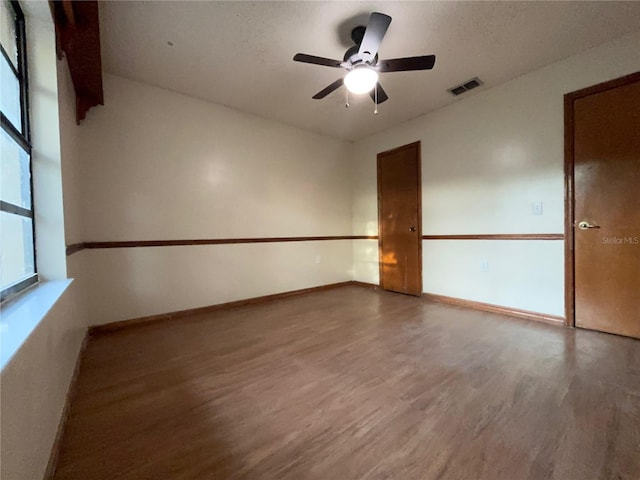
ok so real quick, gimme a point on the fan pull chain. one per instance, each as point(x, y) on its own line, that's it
point(375, 99)
point(346, 105)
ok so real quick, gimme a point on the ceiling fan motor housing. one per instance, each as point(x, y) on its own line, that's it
point(352, 56)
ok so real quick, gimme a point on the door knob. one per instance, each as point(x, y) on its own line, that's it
point(412, 229)
point(584, 225)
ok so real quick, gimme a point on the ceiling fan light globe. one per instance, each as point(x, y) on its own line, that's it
point(361, 80)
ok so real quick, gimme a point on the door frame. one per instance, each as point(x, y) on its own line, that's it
point(569, 186)
point(419, 226)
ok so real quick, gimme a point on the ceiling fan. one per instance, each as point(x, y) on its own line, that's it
point(362, 64)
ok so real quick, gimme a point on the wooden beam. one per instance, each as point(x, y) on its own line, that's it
point(78, 38)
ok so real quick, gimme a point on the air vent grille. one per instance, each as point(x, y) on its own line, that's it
point(465, 87)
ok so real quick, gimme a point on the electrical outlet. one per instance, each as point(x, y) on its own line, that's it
point(318, 259)
point(536, 208)
point(484, 266)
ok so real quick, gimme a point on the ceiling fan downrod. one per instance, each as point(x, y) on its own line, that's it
point(375, 99)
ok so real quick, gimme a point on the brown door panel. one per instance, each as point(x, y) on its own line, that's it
point(606, 135)
point(399, 215)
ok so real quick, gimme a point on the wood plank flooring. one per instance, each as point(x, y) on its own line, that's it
point(354, 383)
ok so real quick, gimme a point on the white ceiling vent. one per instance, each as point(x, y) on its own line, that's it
point(465, 87)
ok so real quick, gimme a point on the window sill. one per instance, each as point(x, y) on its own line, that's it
point(21, 315)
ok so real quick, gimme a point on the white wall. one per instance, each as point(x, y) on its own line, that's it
point(485, 159)
point(33, 390)
point(134, 282)
point(72, 178)
point(46, 168)
point(34, 383)
point(72, 164)
point(159, 165)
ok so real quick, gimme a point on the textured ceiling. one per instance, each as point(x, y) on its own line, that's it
point(240, 53)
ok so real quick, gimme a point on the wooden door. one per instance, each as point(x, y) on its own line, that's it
point(606, 223)
point(399, 219)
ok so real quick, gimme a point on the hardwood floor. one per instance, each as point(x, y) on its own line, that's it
point(354, 383)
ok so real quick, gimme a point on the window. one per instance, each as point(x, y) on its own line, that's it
point(17, 246)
